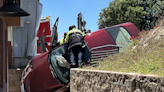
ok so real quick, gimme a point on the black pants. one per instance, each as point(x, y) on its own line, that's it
point(76, 55)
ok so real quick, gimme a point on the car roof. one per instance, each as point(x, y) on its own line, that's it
point(130, 27)
point(128, 23)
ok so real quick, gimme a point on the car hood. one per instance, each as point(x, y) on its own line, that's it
point(36, 60)
point(40, 77)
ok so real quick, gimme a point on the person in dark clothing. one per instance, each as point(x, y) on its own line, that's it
point(75, 38)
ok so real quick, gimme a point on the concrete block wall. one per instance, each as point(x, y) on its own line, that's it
point(82, 80)
point(14, 80)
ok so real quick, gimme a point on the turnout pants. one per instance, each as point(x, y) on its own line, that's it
point(76, 55)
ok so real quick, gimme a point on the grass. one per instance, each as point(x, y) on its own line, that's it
point(148, 59)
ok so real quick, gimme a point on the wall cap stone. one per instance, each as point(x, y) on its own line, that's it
point(113, 72)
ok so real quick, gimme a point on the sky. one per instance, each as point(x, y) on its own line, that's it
point(67, 11)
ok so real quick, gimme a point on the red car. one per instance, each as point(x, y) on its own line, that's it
point(43, 73)
point(111, 40)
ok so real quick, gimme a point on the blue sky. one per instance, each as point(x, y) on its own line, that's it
point(67, 11)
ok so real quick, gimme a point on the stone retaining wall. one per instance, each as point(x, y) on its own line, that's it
point(104, 81)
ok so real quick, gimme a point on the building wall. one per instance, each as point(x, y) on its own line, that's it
point(4, 23)
point(1, 69)
point(12, 21)
point(23, 37)
point(9, 44)
point(3, 51)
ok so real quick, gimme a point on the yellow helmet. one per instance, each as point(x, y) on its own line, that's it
point(71, 27)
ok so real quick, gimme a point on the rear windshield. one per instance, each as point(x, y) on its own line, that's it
point(113, 32)
point(121, 37)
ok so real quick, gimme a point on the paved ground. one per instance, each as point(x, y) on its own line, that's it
point(15, 80)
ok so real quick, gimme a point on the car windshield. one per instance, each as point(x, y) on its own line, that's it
point(60, 73)
point(60, 50)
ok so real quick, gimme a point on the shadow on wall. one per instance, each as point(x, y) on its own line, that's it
point(20, 62)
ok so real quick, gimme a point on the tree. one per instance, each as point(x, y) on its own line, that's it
point(121, 11)
point(143, 13)
point(154, 9)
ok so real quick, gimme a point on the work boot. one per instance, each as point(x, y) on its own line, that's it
point(73, 66)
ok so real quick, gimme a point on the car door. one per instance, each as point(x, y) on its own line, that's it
point(80, 21)
point(54, 35)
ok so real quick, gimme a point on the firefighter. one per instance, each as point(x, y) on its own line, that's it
point(75, 39)
point(62, 40)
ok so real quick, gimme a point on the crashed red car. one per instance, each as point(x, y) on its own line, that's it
point(111, 40)
point(43, 73)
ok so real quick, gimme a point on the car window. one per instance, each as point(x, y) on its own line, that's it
point(126, 34)
point(120, 37)
point(60, 73)
point(60, 50)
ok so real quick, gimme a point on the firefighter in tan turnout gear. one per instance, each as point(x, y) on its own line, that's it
point(75, 39)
